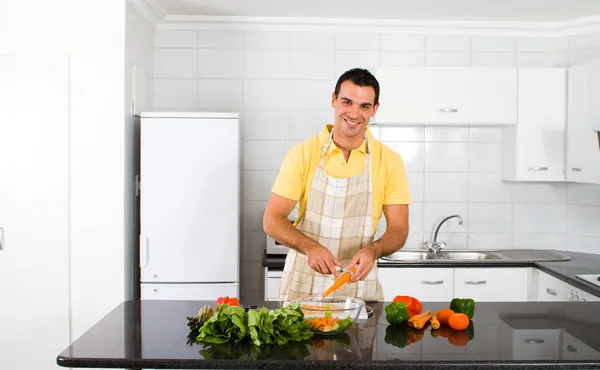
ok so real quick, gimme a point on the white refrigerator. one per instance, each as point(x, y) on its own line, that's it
point(189, 245)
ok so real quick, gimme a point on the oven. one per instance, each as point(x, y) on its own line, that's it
point(274, 247)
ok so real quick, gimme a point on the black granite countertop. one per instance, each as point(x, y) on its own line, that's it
point(154, 334)
point(580, 263)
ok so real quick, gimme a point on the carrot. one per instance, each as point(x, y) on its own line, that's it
point(435, 323)
point(417, 317)
point(343, 279)
point(419, 323)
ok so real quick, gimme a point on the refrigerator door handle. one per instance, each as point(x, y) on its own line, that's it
point(143, 251)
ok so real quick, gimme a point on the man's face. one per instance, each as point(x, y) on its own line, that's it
point(354, 107)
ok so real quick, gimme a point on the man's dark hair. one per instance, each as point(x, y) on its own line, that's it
point(360, 77)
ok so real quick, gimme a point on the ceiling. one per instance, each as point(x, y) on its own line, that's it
point(435, 10)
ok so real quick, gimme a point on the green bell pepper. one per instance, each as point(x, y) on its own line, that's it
point(463, 305)
point(396, 313)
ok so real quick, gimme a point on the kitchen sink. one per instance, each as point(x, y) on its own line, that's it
point(509, 256)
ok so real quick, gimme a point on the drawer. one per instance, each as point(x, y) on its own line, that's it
point(428, 284)
point(492, 284)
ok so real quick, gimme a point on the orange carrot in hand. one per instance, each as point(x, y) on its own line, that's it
point(343, 279)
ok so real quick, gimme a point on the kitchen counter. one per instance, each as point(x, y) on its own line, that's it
point(580, 263)
point(154, 334)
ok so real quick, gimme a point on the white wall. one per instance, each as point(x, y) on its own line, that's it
point(282, 81)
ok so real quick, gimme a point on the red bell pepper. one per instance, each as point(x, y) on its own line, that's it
point(413, 304)
point(228, 301)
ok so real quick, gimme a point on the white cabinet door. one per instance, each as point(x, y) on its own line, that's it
point(189, 292)
point(492, 284)
point(272, 285)
point(425, 284)
point(583, 152)
point(551, 289)
point(534, 149)
point(447, 95)
point(34, 209)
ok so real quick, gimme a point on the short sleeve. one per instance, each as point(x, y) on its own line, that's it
point(395, 189)
point(288, 183)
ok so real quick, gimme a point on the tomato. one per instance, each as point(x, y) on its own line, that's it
point(228, 301)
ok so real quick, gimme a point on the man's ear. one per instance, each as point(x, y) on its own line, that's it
point(333, 97)
point(375, 109)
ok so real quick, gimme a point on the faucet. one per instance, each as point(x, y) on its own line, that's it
point(435, 247)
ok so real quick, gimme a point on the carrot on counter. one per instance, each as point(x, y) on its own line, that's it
point(420, 322)
point(414, 318)
point(435, 323)
point(343, 279)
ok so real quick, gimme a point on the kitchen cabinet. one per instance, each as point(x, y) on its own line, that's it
point(551, 289)
point(492, 284)
point(534, 149)
point(272, 282)
point(447, 96)
point(583, 112)
point(427, 284)
point(580, 295)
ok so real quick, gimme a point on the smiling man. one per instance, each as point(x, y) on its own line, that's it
point(343, 179)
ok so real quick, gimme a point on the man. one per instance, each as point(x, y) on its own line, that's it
point(344, 179)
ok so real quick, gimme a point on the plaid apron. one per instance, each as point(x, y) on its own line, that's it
point(338, 216)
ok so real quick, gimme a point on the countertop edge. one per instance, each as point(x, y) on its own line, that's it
point(316, 364)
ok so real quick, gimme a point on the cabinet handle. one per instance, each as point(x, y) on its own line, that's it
point(576, 169)
point(478, 282)
point(537, 168)
point(534, 341)
point(1, 238)
point(428, 282)
point(550, 291)
point(447, 110)
point(570, 348)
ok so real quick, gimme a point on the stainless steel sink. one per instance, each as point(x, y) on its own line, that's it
point(509, 256)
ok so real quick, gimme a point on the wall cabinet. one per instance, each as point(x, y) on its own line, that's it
point(583, 144)
point(447, 95)
point(533, 150)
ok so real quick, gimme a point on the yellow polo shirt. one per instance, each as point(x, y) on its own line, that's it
point(388, 173)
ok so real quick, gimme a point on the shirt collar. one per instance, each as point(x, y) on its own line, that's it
point(324, 136)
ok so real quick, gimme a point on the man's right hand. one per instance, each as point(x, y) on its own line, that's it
point(322, 260)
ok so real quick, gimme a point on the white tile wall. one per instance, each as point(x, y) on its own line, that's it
point(281, 83)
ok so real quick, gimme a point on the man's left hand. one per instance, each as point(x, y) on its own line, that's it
point(365, 258)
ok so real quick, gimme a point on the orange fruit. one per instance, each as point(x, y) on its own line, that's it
point(458, 321)
point(444, 314)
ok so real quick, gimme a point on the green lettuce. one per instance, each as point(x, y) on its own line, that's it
point(230, 323)
point(280, 326)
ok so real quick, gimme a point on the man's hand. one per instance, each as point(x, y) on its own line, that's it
point(322, 260)
point(365, 258)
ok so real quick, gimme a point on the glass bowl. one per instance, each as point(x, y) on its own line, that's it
point(330, 315)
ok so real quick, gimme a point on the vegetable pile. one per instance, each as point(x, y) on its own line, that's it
point(234, 324)
point(407, 322)
point(326, 323)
